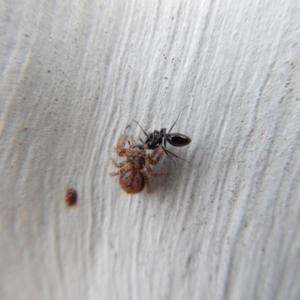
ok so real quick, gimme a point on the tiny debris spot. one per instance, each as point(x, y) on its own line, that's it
point(71, 197)
point(189, 259)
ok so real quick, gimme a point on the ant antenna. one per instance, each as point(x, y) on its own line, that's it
point(177, 119)
point(146, 134)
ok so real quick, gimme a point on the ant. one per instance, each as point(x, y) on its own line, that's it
point(157, 138)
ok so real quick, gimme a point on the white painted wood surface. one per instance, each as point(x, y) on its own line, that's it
point(74, 74)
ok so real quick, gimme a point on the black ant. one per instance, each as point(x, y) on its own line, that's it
point(157, 138)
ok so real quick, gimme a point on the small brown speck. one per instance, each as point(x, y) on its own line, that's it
point(71, 197)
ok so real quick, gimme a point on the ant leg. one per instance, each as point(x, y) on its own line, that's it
point(165, 135)
point(177, 119)
point(169, 152)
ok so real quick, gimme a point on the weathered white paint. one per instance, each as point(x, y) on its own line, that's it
point(75, 73)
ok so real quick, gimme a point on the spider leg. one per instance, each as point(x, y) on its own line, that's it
point(147, 179)
point(118, 165)
point(122, 169)
point(155, 156)
point(153, 174)
point(115, 173)
point(121, 150)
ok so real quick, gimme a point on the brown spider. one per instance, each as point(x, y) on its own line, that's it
point(136, 170)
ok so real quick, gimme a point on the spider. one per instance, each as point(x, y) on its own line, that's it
point(135, 171)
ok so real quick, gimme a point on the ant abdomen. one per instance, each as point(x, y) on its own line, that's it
point(178, 139)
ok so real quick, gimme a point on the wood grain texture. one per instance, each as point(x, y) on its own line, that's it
point(74, 74)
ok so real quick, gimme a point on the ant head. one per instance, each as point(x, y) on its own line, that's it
point(154, 139)
point(152, 144)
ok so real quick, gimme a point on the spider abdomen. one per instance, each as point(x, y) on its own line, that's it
point(132, 181)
